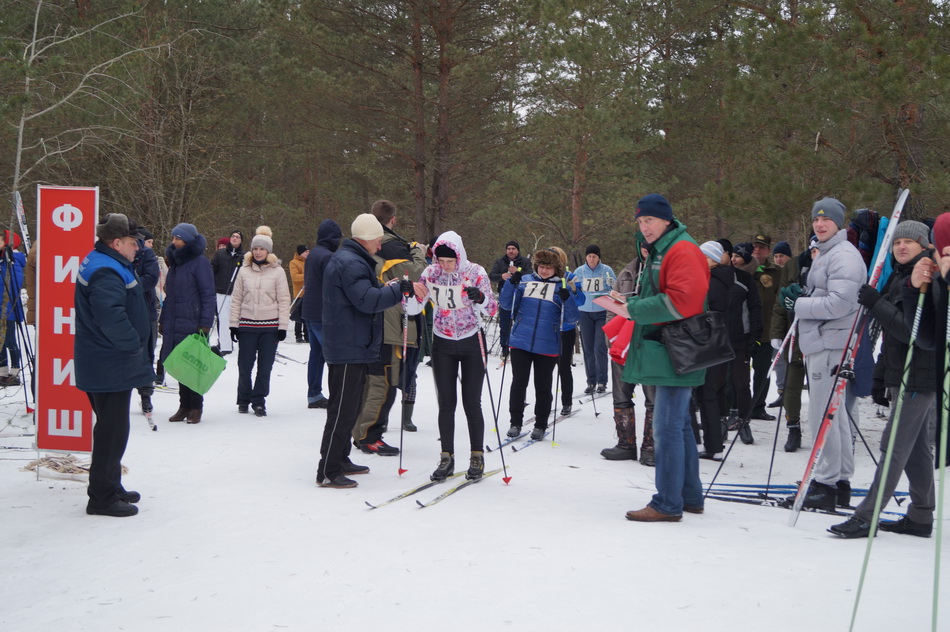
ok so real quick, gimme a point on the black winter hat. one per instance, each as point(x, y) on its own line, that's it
point(593, 249)
point(513, 243)
point(744, 251)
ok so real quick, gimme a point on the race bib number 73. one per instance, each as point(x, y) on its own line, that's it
point(446, 296)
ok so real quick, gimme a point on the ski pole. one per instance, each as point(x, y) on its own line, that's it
point(885, 469)
point(402, 366)
point(481, 347)
point(943, 468)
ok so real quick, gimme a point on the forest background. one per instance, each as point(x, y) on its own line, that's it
point(537, 120)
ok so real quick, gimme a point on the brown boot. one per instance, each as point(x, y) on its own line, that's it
point(646, 448)
point(194, 416)
point(181, 415)
point(626, 448)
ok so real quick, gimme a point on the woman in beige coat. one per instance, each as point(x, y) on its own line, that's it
point(260, 313)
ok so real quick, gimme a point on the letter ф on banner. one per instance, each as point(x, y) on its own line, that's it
point(66, 230)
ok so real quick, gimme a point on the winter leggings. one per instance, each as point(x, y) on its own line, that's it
point(447, 357)
point(521, 363)
point(564, 368)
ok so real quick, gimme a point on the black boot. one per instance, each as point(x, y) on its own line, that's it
point(407, 424)
point(745, 433)
point(626, 448)
point(778, 400)
point(647, 456)
point(446, 467)
point(844, 493)
point(821, 496)
point(146, 404)
point(794, 440)
point(476, 466)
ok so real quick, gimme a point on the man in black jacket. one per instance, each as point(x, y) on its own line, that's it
point(146, 267)
point(225, 264)
point(329, 236)
point(353, 335)
point(912, 454)
point(504, 267)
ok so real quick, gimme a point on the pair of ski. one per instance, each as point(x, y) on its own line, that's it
point(524, 433)
point(760, 499)
point(450, 491)
point(547, 432)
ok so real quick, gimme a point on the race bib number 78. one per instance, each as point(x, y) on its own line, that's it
point(594, 284)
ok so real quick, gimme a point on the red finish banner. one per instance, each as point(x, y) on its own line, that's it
point(66, 232)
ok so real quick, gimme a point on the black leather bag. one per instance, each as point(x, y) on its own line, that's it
point(697, 342)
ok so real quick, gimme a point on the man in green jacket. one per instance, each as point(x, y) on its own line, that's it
point(674, 287)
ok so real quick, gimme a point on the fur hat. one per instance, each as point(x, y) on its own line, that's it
point(111, 226)
point(263, 238)
point(366, 227)
point(548, 258)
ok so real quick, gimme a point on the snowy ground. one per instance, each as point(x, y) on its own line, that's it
point(233, 534)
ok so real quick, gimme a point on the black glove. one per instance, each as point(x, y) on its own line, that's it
point(234, 334)
point(564, 293)
point(515, 279)
point(474, 294)
point(868, 296)
point(281, 335)
point(405, 287)
point(879, 396)
point(204, 331)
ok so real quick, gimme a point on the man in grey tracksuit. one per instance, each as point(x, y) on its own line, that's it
point(826, 312)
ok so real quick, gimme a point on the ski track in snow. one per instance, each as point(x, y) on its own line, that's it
point(233, 534)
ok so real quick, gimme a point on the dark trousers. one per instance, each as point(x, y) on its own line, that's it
point(259, 346)
point(150, 349)
point(761, 361)
point(346, 383)
point(10, 346)
point(738, 370)
point(448, 356)
point(708, 396)
point(110, 435)
point(189, 399)
point(504, 328)
point(300, 330)
point(521, 363)
point(315, 363)
point(564, 369)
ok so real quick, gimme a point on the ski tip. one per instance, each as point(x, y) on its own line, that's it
point(506, 479)
point(419, 502)
point(402, 471)
point(154, 428)
point(368, 504)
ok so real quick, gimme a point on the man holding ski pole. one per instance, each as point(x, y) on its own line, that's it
point(826, 311)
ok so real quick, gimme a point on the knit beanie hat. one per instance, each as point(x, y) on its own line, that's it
point(185, 232)
point(513, 243)
point(654, 205)
point(782, 248)
point(744, 251)
point(146, 233)
point(14, 241)
point(713, 250)
point(830, 208)
point(366, 227)
point(301, 248)
point(444, 251)
point(224, 241)
point(726, 245)
point(941, 232)
point(263, 238)
point(593, 249)
point(909, 229)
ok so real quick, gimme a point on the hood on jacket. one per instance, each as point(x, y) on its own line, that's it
point(178, 256)
point(329, 235)
point(249, 258)
point(453, 240)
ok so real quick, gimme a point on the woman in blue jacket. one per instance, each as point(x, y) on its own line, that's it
point(12, 264)
point(537, 302)
point(189, 306)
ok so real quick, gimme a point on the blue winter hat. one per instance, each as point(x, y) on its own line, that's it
point(830, 208)
point(654, 205)
point(185, 232)
point(782, 248)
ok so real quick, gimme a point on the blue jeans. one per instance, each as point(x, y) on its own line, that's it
point(594, 343)
point(315, 364)
point(677, 461)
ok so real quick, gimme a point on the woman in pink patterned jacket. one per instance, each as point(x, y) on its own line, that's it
point(459, 290)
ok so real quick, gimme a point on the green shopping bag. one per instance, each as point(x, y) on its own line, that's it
point(194, 364)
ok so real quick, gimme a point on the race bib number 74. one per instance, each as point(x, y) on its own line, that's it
point(539, 290)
